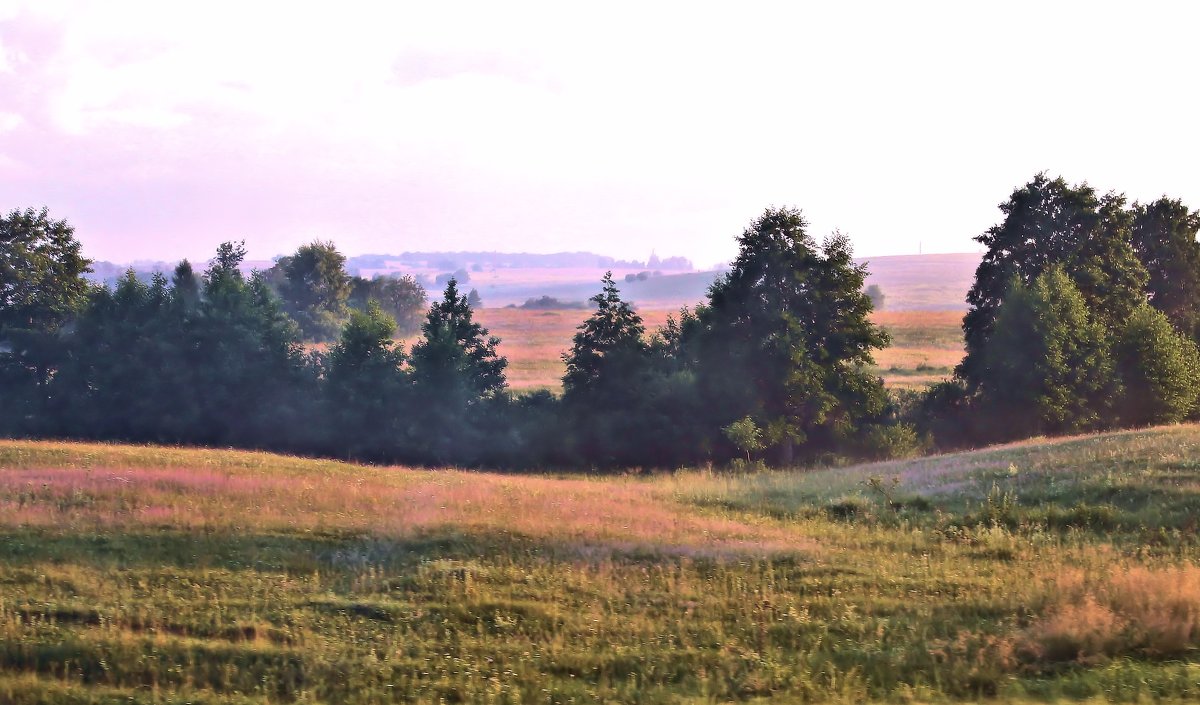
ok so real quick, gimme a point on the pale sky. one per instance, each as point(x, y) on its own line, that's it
point(159, 129)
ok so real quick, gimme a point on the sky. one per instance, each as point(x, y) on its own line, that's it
point(161, 129)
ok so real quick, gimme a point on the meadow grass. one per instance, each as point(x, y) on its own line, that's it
point(1045, 571)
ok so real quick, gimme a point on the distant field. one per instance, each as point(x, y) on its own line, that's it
point(910, 283)
point(1042, 571)
point(926, 344)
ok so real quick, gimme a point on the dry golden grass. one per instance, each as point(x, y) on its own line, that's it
point(392, 501)
point(1130, 611)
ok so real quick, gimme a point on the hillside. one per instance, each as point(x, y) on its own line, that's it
point(1040, 570)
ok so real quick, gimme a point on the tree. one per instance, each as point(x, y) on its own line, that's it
point(875, 294)
point(1048, 223)
point(605, 388)
point(1159, 369)
point(243, 355)
point(315, 288)
point(1047, 367)
point(745, 435)
point(474, 300)
point(785, 338)
point(455, 372)
point(41, 288)
point(403, 298)
point(366, 386)
point(605, 346)
point(41, 272)
point(1164, 237)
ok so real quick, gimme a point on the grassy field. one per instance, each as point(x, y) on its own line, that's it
point(926, 345)
point(1044, 571)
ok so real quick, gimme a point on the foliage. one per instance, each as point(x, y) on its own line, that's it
point(1049, 223)
point(1048, 367)
point(785, 338)
point(1164, 237)
point(745, 435)
point(1159, 370)
point(403, 298)
point(314, 288)
point(456, 373)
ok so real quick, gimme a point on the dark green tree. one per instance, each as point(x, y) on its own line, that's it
point(315, 288)
point(245, 354)
point(785, 338)
point(456, 372)
point(607, 348)
point(1159, 369)
point(1164, 237)
point(41, 288)
point(366, 387)
point(1047, 367)
point(605, 388)
point(1047, 223)
point(118, 377)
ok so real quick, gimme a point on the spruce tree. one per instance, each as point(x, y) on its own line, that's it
point(456, 372)
point(785, 339)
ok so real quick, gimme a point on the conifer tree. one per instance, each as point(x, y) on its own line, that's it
point(785, 338)
point(607, 348)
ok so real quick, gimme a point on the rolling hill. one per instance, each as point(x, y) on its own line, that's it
point(1041, 571)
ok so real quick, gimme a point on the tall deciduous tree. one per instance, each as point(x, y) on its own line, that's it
point(1159, 370)
point(785, 337)
point(1047, 367)
point(366, 387)
point(1046, 223)
point(41, 287)
point(1164, 237)
point(315, 288)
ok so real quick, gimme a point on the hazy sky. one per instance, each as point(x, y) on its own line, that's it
point(162, 128)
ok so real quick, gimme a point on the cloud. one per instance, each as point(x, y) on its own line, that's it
point(163, 128)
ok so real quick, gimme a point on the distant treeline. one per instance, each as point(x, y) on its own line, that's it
point(454, 260)
point(1084, 315)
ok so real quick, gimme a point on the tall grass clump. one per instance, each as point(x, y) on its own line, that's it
point(1137, 611)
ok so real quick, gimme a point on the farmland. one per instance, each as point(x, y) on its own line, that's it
point(1045, 570)
point(926, 345)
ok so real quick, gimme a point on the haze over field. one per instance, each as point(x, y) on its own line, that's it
point(162, 129)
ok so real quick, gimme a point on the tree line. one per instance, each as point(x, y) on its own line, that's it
point(1083, 315)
